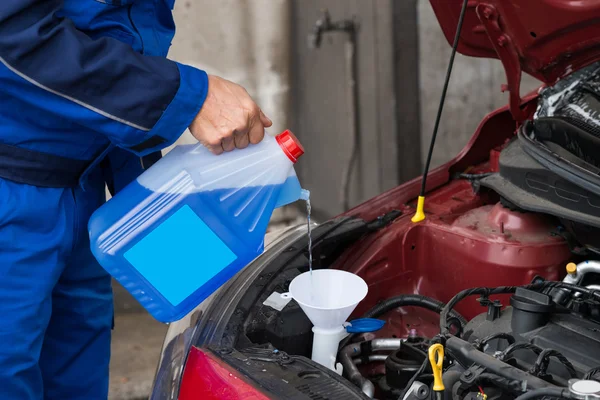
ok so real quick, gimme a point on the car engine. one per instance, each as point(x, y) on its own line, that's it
point(547, 338)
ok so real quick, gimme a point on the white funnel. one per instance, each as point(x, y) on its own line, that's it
point(327, 297)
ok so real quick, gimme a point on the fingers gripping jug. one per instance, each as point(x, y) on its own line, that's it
point(192, 221)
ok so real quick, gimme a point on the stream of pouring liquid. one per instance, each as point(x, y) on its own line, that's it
point(310, 258)
point(308, 210)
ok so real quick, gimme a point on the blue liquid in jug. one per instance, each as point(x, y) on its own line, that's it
point(177, 249)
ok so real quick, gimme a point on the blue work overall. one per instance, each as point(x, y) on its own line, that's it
point(85, 92)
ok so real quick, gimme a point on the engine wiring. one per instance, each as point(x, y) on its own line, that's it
point(541, 364)
point(505, 355)
point(485, 378)
point(480, 344)
point(481, 394)
point(545, 392)
point(590, 374)
point(410, 300)
point(412, 380)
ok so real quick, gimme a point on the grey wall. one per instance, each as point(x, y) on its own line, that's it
point(387, 65)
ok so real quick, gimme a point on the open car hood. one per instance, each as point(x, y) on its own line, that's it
point(548, 39)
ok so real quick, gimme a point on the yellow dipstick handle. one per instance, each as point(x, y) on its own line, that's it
point(437, 350)
point(420, 213)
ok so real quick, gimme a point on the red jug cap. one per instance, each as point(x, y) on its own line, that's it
point(290, 145)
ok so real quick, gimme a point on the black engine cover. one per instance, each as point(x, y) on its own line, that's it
point(534, 187)
point(548, 326)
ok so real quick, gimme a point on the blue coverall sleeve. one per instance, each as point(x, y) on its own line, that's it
point(141, 103)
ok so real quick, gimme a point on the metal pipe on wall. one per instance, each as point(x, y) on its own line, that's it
point(323, 26)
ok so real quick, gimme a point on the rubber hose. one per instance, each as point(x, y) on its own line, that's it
point(519, 346)
point(405, 300)
point(562, 393)
point(500, 335)
point(541, 364)
point(414, 300)
point(590, 374)
point(412, 380)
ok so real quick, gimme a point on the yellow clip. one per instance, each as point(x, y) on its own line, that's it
point(420, 213)
point(436, 365)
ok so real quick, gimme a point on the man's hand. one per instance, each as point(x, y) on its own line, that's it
point(229, 118)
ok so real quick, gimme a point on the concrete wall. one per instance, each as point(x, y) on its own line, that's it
point(245, 41)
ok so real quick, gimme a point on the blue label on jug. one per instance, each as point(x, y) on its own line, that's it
point(194, 255)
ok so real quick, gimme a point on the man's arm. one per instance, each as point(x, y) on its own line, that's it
point(140, 103)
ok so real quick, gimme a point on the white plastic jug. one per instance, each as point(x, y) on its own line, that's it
point(193, 220)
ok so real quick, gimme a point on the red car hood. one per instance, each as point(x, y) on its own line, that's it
point(548, 39)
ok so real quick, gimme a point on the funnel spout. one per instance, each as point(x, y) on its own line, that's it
point(325, 346)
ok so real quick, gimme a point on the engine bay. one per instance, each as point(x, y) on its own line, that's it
point(539, 330)
point(502, 275)
point(544, 340)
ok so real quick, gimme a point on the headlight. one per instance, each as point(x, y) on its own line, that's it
point(182, 333)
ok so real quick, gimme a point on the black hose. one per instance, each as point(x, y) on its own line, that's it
point(480, 344)
point(590, 374)
point(562, 393)
point(581, 289)
point(405, 300)
point(414, 300)
point(414, 377)
point(541, 364)
point(519, 346)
